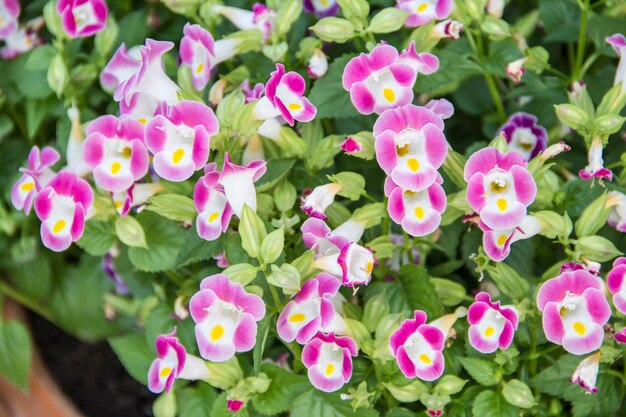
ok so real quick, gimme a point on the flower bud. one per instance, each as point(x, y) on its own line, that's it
point(517, 393)
point(450, 292)
point(408, 393)
point(252, 232)
point(453, 166)
point(579, 96)
point(105, 39)
point(287, 14)
point(165, 405)
point(180, 310)
point(216, 93)
point(53, 20)
point(495, 8)
point(242, 273)
point(597, 248)
point(376, 308)
point(500, 143)
point(448, 29)
point(286, 277)
point(355, 9)
point(284, 196)
point(352, 184)
point(450, 385)
point(223, 375)
point(388, 20)
point(497, 29)
point(276, 51)
point(357, 331)
point(434, 403)
point(593, 217)
point(184, 7)
point(609, 124)
point(572, 116)
point(57, 75)
point(515, 70)
point(318, 64)
point(272, 246)
point(334, 29)
point(613, 101)
point(369, 215)
point(360, 145)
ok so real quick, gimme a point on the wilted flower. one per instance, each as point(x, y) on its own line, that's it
point(586, 374)
point(214, 212)
point(82, 18)
point(524, 135)
point(34, 178)
point(491, 326)
point(424, 11)
point(595, 168)
point(328, 359)
point(321, 8)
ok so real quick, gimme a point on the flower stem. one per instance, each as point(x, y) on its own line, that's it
point(582, 38)
point(25, 301)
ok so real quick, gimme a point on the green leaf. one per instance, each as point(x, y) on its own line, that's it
point(561, 19)
point(98, 238)
point(164, 239)
point(317, 404)
point(484, 372)
point(196, 401)
point(14, 353)
point(420, 291)
point(135, 355)
point(277, 169)
point(283, 390)
point(263, 330)
point(172, 206)
point(490, 404)
point(509, 281)
point(130, 232)
point(196, 249)
point(328, 94)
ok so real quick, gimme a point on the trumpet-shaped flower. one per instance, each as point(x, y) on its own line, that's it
point(410, 146)
point(9, 12)
point(310, 311)
point(260, 17)
point(617, 215)
point(75, 145)
point(499, 187)
point(524, 135)
point(61, 206)
point(179, 137)
point(238, 182)
point(122, 65)
point(356, 263)
point(595, 168)
point(321, 8)
point(317, 201)
point(574, 311)
point(214, 212)
point(328, 359)
point(115, 150)
point(618, 42)
point(82, 18)
point(418, 212)
point(384, 79)
point(168, 365)
point(225, 316)
point(317, 235)
point(616, 282)
point(284, 97)
point(424, 11)
point(491, 326)
point(497, 243)
point(417, 348)
point(586, 373)
point(34, 178)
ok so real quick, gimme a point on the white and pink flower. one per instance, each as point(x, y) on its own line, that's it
point(524, 135)
point(586, 373)
point(384, 79)
point(115, 150)
point(424, 11)
point(491, 326)
point(448, 29)
point(18, 42)
point(122, 65)
point(417, 348)
point(82, 18)
point(169, 363)
point(310, 311)
point(260, 17)
point(179, 137)
point(315, 202)
point(284, 97)
point(595, 168)
point(34, 178)
point(356, 263)
point(61, 206)
point(616, 282)
point(618, 42)
point(214, 212)
point(617, 216)
point(225, 316)
point(499, 187)
point(238, 183)
point(135, 196)
point(574, 311)
point(9, 12)
point(497, 243)
point(328, 359)
point(317, 235)
point(318, 64)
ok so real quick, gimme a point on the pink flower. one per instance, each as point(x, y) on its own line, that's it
point(168, 365)
point(384, 79)
point(82, 18)
point(616, 282)
point(524, 135)
point(441, 107)
point(284, 97)
point(238, 182)
point(234, 405)
point(328, 359)
point(196, 49)
point(621, 336)
point(417, 348)
point(586, 373)
point(356, 263)
point(424, 11)
point(574, 311)
point(252, 93)
point(497, 243)
point(318, 64)
point(120, 68)
point(179, 137)
point(618, 42)
point(225, 316)
point(214, 212)
point(448, 29)
point(617, 215)
point(595, 168)
point(315, 203)
point(418, 212)
point(9, 12)
point(491, 326)
point(61, 206)
point(499, 187)
point(18, 42)
point(116, 152)
point(515, 69)
point(410, 146)
point(34, 178)
point(310, 311)
point(134, 196)
point(261, 17)
point(321, 8)
point(316, 234)
point(349, 145)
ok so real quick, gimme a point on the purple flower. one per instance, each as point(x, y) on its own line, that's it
point(524, 135)
point(9, 12)
point(321, 8)
point(616, 282)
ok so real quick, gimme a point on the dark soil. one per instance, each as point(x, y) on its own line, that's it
point(90, 374)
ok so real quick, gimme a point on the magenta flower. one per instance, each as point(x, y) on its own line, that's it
point(410, 146)
point(34, 178)
point(225, 316)
point(441, 107)
point(9, 12)
point(61, 206)
point(595, 168)
point(310, 311)
point(252, 93)
point(134, 196)
point(424, 11)
point(491, 326)
point(284, 97)
point(574, 311)
point(115, 150)
point(328, 359)
point(499, 187)
point(168, 365)
point(617, 215)
point(82, 18)
point(417, 348)
point(119, 69)
point(356, 263)
point(418, 212)
point(316, 234)
point(214, 212)
point(238, 182)
point(349, 145)
point(384, 79)
point(497, 243)
point(234, 405)
point(260, 17)
point(524, 135)
point(586, 373)
point(315, 202)
point(179, 137)
point(18, 42)
point(321, 8)
point(620, 337)
point(616, 282)
point(618, 42)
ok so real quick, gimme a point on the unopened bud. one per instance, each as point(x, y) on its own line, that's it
point(388, 20)
point(517, 393)
point(334, 29)
point(360, 145)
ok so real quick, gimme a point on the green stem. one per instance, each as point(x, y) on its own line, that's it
point(582, 38)
point(276, 297)
point(25, 301)
point(495, 96)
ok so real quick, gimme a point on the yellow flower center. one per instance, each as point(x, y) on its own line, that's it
point(369, 267)
point(199, 68)
point(297, 318)
point(324, 3)
point(27, 186)
point(213, 216)
point(489, 331)
point(58, 226)
point(178, 155)
point(217, 333)
point(115, 167)
point(498, 186)
point(295, 106)
point(118, 204)
point(501, 203)
point(402, 150)
point(126, 152)
point(579, 328)
point(142, 120)
point(329, 369)
point(422, 7)
point(501, 240)
point(413, 164)
point(419, 212)
point(165, 372)
point(389, 95)
point(424, 358)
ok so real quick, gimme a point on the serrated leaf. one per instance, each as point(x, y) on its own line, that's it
point(484, 372)
point(196, 401)
point(263, 330)
point(135, 355)
point(195, 249)
point(172, 206)
point(491, 404)
point(14, 353)
point(98, 238)
point(277, 169)
point(420, 293)
point(328, 94)
point(164, 239)
point(317, 404)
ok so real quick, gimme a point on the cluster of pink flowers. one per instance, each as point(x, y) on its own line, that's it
point(18, 39)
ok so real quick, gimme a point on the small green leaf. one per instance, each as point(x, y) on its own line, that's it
point(14, 353)
point(130, 232)
point(98, 238)
point(490, 404)
point(484, 372)
point(196, 249)
point(242, 273)
point(420, 291)
point(172, 206)
point(135, 355)
point(277, 169)
point(316, 404)
point(196, 401)
point(263, 330)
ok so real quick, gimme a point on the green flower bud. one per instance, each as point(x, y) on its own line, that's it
point(360, 145)
point(184, 7)
point(286, 277)
point(242, 273)
point(58, 76)
point(53, 20)
point(597, 248)
point(500, 143)
point(369, 215)
point(287, 14)
point(517, 393)
point(572, 116)
point(547, 186)
point(223, 375)
point(434, 402)
point(553, 224)
point(357, 331)
point(306, 49)
point(376, 308)
point(579, 96)
point(228, 107)
point(388, 20)
point(276, 51)
point(450, 293)
point(257, 384)
point(609, 124)
point(408, 393)
point(509, 281)
point(252, 232)
point(352, 184)
point(304, 263)
point(105, 39)
point(538, 58)
point(450, 385)
point(453, 167)
point(334, 29)
point(496, 29)
point(593, 217)
point(476, 8)
point(613, 101)
point(285, 196)
point(272, 246)
point(248, 40)
point(382, 247)
point(355, 9)
point(165, 405)
point(130, 232)
point(387, 325)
